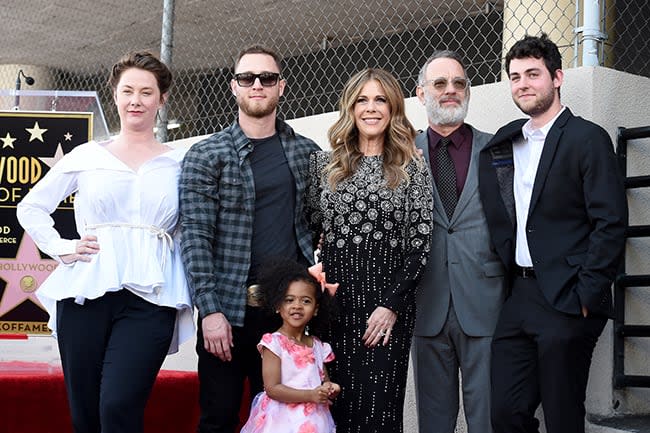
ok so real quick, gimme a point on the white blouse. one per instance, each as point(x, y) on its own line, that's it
point(134, 216)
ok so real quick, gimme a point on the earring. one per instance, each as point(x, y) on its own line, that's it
point(277, 311)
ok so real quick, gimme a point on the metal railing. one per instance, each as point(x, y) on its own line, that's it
point(623, 280)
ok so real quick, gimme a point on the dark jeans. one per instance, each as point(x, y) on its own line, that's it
point(222, 383)
point(540, 355)
point(111, 350)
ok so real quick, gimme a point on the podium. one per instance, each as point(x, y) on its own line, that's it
point(57, 101)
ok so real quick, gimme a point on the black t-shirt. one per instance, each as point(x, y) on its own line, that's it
point(275, 201)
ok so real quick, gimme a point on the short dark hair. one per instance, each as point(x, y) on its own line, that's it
point(539, 47)
point(259, 49)
point(441, 54)
point(144, 60)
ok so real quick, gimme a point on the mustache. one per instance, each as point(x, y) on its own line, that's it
point(449, 99)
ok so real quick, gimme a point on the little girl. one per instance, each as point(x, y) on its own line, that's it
point(297, 390)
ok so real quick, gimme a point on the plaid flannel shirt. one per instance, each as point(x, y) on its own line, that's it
point(217, 205)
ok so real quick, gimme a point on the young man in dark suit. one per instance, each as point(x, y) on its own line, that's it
point(556, 209)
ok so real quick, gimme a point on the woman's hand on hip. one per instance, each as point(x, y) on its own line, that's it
point(86, 246)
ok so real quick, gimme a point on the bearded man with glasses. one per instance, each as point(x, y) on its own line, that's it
point(241, 200)
point(462, 289)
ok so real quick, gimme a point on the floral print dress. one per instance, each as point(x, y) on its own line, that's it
point(302, 368)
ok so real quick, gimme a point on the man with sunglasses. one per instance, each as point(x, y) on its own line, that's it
point(241, 202)
point(463, 287)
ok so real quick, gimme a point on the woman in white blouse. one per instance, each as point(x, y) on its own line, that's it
point(119, 300)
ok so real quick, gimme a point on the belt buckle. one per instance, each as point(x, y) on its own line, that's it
point(254, 296)
point(527, 272)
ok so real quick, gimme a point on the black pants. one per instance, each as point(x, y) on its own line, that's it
point(221, 383)
point(111, 350)
point(540, 355)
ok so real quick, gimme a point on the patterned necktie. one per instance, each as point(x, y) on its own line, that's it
point(446, 182)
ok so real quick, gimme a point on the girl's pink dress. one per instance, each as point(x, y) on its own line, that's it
point(302, 368)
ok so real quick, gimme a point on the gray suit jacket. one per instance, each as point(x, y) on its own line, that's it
point(463, 265)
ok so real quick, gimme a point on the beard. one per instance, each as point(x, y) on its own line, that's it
point(539, 105)
point(258, 109)
point(445, 116)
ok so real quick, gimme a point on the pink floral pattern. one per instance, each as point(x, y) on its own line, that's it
point(309, 408)
point(303, 357)
point(307, 427)
point(302, 368)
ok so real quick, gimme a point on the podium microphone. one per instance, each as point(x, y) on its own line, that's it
point(28, 80)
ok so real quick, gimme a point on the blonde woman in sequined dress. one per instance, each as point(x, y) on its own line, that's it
point(371, 198)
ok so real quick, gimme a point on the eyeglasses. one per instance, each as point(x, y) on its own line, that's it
point(267, 79)
point(441, 83)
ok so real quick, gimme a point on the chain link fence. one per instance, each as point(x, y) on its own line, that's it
point(323, 43)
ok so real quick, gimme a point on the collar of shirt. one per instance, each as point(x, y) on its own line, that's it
point(457, 137)
point(242, 142)
point(536, 134)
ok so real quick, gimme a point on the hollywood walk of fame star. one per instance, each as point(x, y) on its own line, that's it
point(8, 141)
point(53, 160)
point(23, 275)
point(68, 136)
point(36, 132)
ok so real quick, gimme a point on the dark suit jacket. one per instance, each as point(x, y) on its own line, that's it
point(578, 211)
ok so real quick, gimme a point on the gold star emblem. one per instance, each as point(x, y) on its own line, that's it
point(8, 141)
point(28, 284)
point(36, 132)
point(68, 136)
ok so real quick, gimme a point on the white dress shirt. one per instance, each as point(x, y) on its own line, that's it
point(527, 151)
point(134, 216)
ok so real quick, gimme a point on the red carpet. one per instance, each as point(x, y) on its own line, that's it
point(33, 400)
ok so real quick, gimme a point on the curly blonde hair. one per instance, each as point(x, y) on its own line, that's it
point(399, 147)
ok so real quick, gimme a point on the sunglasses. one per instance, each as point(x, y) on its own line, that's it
point(267, 79)
point(440, 84)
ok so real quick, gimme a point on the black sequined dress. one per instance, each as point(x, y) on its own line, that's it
point(376, 244)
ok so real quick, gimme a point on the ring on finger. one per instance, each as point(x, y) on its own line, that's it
point(382, 333)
